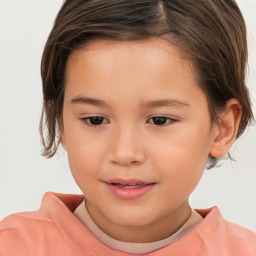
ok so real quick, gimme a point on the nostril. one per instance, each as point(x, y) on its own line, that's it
point(125, 161)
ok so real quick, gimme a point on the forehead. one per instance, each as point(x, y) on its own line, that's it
point(153, 64)
point(156, 51)
point(129, 58)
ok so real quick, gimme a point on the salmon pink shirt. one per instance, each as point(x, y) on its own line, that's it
point(54, 230)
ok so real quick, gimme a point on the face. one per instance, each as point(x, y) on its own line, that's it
point(137, 131)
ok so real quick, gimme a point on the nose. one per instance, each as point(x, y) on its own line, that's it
point(127, 148)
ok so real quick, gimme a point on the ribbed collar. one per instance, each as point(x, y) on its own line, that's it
point(134, 248)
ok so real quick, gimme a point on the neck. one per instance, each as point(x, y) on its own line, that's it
point(154, 231)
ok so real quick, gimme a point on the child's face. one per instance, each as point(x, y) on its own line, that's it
point(134, 114)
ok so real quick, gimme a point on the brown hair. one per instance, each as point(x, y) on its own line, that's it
point(211, 32)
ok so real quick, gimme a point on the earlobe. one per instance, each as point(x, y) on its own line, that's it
point(224, 133)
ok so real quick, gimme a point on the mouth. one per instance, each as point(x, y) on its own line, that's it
point(131, 186)
point(131, 183)
point(129, 189)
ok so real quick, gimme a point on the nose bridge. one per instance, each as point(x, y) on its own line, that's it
point(127, 147)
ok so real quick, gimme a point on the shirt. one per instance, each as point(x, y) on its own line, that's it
point(54, 230)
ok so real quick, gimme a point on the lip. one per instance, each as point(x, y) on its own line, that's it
point(129, 189)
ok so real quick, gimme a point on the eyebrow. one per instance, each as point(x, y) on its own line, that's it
point(166, 102)
point(89, 101)
point(149, 104)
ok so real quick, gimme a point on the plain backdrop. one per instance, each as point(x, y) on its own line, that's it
point(25, 175)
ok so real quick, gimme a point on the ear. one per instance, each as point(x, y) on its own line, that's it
point(224, 133)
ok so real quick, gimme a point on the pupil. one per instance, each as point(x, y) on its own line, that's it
point(96, 120)
point(159, 120)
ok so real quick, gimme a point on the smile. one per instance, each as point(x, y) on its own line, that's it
point(128, 189)
point(129, 186)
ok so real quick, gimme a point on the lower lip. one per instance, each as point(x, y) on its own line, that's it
point(129, 193)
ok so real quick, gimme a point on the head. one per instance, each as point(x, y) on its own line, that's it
point(211, 33)
point(204, 44)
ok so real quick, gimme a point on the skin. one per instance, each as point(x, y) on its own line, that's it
point(129, 83)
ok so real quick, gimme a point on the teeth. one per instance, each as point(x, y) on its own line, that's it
point(130, 185)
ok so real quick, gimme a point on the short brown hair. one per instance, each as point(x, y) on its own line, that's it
point(211, 32)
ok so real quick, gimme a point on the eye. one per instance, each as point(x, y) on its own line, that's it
point(94, 120)
point(161, 120)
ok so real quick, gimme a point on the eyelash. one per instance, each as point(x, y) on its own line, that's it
point(102, 120)
point(88, 120)
point(167, 120)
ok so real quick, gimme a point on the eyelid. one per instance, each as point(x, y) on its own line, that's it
point(171, 120)
point(85, 121)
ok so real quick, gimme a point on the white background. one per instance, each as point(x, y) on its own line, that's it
point(25, 175)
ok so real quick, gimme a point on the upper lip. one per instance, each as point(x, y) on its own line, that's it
point(127, 181)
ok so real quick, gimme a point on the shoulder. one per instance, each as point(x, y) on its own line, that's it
point(53, 207)
point(239, 238)
point(224, 236)
point(23, 230)
point(28, 230)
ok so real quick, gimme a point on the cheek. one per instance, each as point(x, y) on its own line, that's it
point(84, 166)
point(184, 147)
point(85, 154)
point(182, 158)
point(83, 157)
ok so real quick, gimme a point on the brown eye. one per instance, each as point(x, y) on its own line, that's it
point(161, 120)
point(94, 120)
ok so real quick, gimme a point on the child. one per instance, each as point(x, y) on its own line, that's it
point(142, 95)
